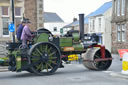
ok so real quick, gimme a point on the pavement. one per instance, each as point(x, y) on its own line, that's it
point(118, 74)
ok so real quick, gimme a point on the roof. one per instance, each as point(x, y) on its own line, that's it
point(51, 17)
point(86, 18)
point(77, 22)
point(101, 10)
point(72, 24)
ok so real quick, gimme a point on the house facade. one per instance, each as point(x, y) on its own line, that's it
point(6, 17)
point(100, 23)
point(32, 9)
point(53, 22)
point(119, 25)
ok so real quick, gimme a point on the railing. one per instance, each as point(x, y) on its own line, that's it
point(3, 51)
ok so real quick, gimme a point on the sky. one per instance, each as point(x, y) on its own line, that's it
point(69, 9)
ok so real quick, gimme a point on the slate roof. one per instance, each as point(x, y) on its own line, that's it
point(72, 24)
point(101, 10)
point(77, 22)
point(51, 17)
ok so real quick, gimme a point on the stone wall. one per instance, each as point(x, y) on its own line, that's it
point(34, 11)
point(31, 12)
point(119, 20)
point(40, 14)
point(115, 44)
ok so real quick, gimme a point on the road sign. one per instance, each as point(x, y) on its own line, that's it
point(122, 51)
point(11, 27)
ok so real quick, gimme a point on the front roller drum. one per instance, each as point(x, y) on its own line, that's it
point(93, 60)
point(44, 58)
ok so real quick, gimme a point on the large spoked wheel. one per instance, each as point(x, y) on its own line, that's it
point(102, 65)
point(44, 58)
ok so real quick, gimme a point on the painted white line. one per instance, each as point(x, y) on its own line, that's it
point(116, 74)
point(107, 71)
point(119, 75)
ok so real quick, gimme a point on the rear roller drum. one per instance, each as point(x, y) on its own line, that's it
point(44, 58)
point(89, 60)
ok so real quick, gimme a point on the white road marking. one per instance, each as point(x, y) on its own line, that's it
point(107, 71)
point(119, 75)
point(116, 74)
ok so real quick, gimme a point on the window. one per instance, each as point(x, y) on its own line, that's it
point(118, 8)
point(61, 30)
point(40, 11)
point(127, 5)
point(115, 3)
point(17, 21)
point(4, 10)
point(40, 6)
point(55, 29)
point(93, 25)
point(40, 18)
point(123, 7)
point(121, 34)
point(100, 40)
point(90, 25)
point(18, 11)
point(99, 24)
point(5, 26)
point(118, 33)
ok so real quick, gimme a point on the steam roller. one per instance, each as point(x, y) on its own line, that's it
point(46, 52)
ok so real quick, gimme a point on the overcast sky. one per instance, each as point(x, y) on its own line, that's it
point(68, 9)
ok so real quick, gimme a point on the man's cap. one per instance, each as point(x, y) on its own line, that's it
point(25, 20)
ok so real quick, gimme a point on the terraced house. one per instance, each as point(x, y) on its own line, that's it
point(100, 23)
point(119, 25)
point(32, 9)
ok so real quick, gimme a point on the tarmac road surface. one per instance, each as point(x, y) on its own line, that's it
point(72, 74)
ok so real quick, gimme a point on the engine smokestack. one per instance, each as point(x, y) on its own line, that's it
point(81, 24)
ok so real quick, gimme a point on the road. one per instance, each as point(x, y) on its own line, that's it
point(72, 74)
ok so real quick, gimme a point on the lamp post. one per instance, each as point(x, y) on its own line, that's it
point(13, 19)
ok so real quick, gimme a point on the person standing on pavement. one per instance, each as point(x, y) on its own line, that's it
point(26, 34)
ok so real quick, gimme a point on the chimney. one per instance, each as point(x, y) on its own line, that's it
point(74, 19)
point(81, 24)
